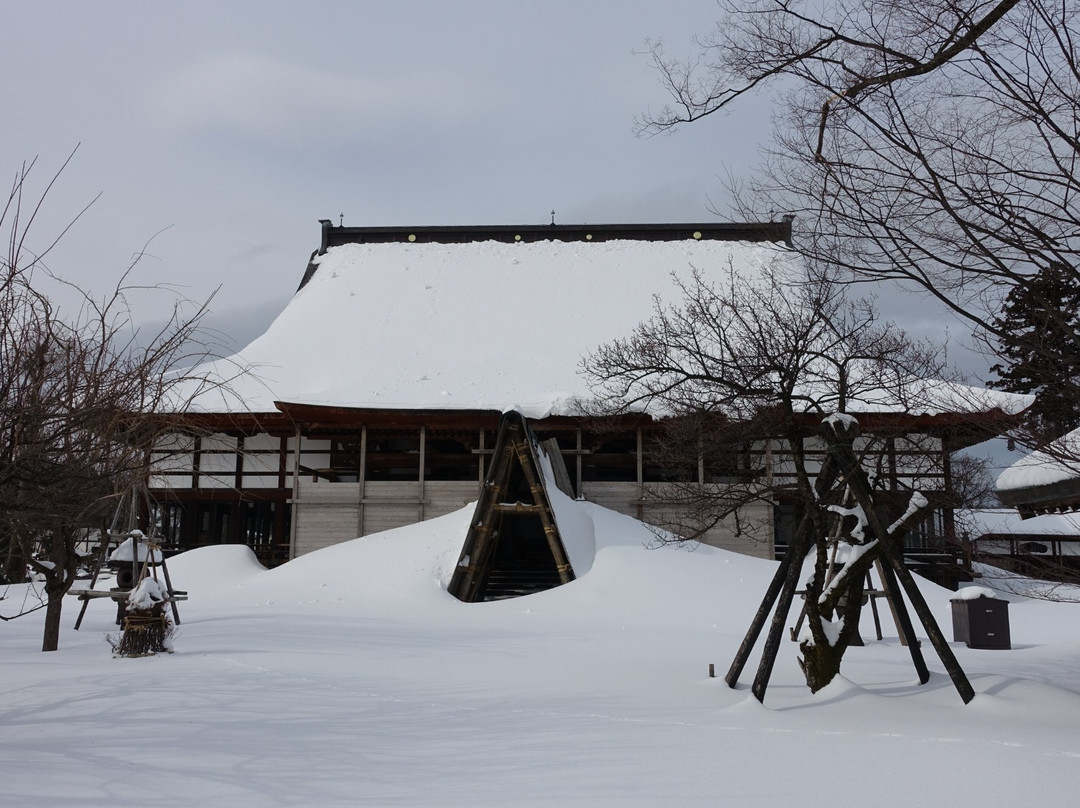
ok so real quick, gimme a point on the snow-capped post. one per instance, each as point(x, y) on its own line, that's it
point(147, 628)
point(129, 562)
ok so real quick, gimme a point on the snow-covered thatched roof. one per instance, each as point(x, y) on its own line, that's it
point(489, 325)
point(478, 325)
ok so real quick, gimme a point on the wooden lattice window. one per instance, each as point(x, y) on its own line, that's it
point(452, 455)
point(393, 454)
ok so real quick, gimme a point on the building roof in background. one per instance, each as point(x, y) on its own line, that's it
point(996, 522)
point(1045, 481)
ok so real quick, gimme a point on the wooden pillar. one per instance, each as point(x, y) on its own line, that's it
point(238, 467)
point(423, 462)
point(196, 461)
point(361, 479)
point(483, 456)
point(236, 522)
point(295, 494)
point(577, 485)
point(141, 505)
point(283, 461)
point(948, 514)
point(640, 476)
point(280, 528)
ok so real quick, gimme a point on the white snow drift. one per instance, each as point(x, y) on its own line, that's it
point(350, 677)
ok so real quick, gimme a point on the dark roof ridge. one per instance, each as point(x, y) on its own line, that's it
point(336, 235)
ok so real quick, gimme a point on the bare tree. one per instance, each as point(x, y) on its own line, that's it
point(972, 483)
point(81, 403)
point(935, 144)
point(762, 360)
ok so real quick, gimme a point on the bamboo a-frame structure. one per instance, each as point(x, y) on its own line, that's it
point(841, 462)
point(514, 510)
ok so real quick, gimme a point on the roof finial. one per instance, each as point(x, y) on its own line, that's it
point(553, 216)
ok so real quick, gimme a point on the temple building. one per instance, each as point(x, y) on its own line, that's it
point(374, 399)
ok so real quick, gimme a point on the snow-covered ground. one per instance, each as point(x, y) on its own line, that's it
point(350, 677)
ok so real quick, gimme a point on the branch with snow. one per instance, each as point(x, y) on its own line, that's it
point(916, 505)
point(858, 533)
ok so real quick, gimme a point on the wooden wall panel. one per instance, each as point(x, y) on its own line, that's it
point(622, 497)
point(445, 497)
point(380, 517)
point(322, 525)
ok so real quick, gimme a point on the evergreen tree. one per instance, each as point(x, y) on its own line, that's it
point(1040, 349)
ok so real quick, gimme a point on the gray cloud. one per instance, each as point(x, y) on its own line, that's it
point(264, 98)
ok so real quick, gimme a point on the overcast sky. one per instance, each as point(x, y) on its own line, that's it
point(229, 128)
point(221, 132)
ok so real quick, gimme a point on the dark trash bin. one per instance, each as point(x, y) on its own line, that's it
point(981, 621)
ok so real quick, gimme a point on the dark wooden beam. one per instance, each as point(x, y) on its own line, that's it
point(335, 236)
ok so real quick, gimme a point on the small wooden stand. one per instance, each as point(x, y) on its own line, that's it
point(120, 595)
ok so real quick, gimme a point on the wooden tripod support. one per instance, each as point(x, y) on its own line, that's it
point(871, 594)
point(841, 462)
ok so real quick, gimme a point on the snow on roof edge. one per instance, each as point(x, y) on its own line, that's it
point(1057, 462)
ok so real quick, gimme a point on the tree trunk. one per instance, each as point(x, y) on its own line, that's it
point(15, 565)
point(16, 559)
point(53, 611)
point(821, 659)
point(58, 581)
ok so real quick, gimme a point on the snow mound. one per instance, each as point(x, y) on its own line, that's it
point(407, 565)
point(622, 577)
point(214, 570)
